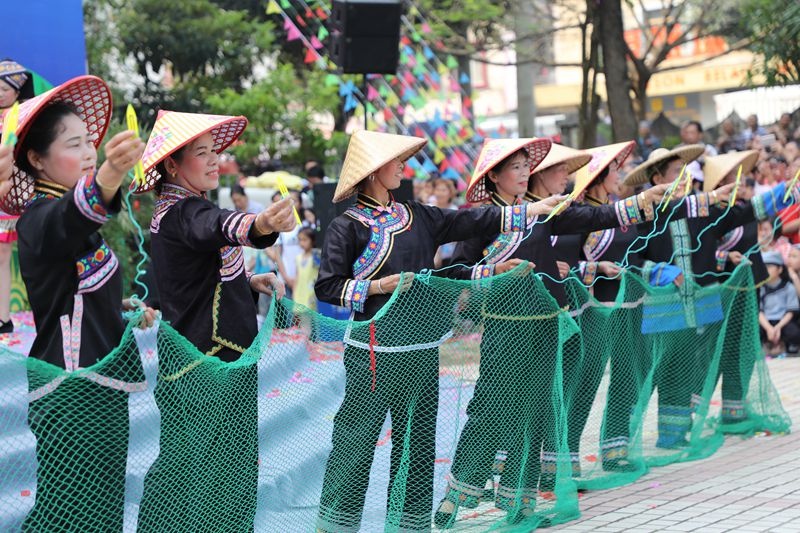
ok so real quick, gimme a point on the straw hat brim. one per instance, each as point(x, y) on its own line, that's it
point(717, 167)
point(90, 96)
point(223, 132)
point(358, 165)
point(574, 159)
point(601, 158)
point(687, 154)
point(493, 152)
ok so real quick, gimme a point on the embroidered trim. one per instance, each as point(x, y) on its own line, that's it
point(722, 258)
point(231, 262)
point(513, 218)
point(480, 272)
point(628, 211)
point(384, 224)
point(221, 341)
point(237, 228)
point(89, 201)
point(170, 195)
point(71, 335)
point(597, 243)
point(733, 410)
point(507, 497)
point(589, 271)
point(354, 294)
point(96, 268)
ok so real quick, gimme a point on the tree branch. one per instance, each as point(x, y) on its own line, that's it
point(735, 48)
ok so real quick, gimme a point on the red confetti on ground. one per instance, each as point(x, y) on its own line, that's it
point(548, 495)
point(444, 460)
point(25, 493)
point(386, 438)
point(591, 458)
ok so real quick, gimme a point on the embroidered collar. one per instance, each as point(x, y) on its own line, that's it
point(172, 190)
point(384, 222)
point(496, 199)
point(530, 197)
point(170, 195)
point(591, 200)
point(47, 189)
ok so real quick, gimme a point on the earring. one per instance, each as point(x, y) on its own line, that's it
point(372, 177)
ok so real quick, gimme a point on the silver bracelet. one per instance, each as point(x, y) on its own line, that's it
point(380, 287)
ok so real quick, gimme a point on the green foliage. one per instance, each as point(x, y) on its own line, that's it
point(774, 26)
point(452, 20)
point(219, 56)
point(282, 110)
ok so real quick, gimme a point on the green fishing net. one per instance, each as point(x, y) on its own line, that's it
point(485, 393)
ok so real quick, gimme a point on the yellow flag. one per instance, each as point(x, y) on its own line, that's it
point(10, 125)
point(273, 8)
point(133, 125)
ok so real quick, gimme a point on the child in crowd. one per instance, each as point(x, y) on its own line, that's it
point(778, 307)
point(307, 262)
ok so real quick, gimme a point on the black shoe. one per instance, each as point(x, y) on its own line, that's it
point(6, 326)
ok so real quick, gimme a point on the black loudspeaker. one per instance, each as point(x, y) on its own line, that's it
point(365, 36)
point(326, 210)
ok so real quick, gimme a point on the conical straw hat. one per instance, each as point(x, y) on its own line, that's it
point(91, 98)
point(687, 154)
point(602, 157)
point(719, 166)
point(367, 152)
point(559, 153)
point(174, 130)
point(493, 152)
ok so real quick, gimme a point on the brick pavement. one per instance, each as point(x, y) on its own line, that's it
point(749, 485)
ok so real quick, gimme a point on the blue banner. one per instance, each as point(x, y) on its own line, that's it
point(45, 36)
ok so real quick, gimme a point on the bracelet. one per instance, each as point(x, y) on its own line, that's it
point(380, 287)
point(104, 187)
point(714, 196)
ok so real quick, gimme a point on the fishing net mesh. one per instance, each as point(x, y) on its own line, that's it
point(484, 394)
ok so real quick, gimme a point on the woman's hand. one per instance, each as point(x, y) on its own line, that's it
point(277, 218)
point(722, 195)
point(546, 206)
point(511, 264)
point(268, 284)
point(149, 315)
point(609, 269)
point(123, 151)
point(388, 284)
point(655, 194)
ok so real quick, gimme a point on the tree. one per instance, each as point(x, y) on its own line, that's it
point(774, 39)
point(282, 112)
point(615, 68)
point(675, 24)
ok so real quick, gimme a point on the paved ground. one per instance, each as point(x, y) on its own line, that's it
point(748, 485)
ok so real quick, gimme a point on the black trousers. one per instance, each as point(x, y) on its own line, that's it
point(512, 408)
point(407, 387)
